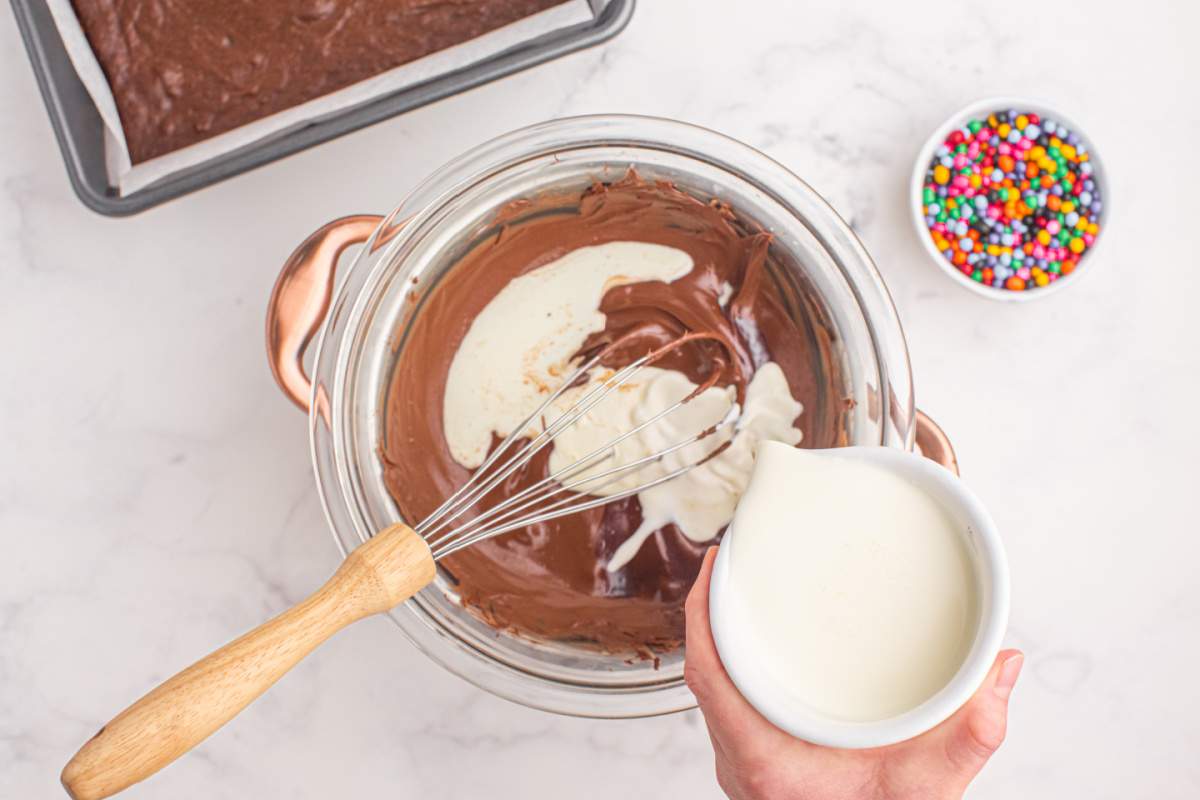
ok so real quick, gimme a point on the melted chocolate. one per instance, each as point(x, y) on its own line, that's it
point(549, 580)
point(182, 72)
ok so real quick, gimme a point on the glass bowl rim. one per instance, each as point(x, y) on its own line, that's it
point(376, 260)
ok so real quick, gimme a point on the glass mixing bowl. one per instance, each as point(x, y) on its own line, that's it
point(827, 275)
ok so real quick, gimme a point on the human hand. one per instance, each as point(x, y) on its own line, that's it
point(758, 761)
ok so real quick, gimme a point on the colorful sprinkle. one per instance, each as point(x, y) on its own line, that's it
point(1010, 200)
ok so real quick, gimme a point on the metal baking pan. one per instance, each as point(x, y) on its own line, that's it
point(80, 132)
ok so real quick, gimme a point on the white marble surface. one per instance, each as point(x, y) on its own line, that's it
point(155, 490)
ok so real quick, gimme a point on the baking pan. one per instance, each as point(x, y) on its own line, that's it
point(80, 132)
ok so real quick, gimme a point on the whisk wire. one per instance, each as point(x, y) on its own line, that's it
point(537, 503)
point(597, 456)
point(536, 444)
point(458, 544)
point(506, 510)
point(451, 501)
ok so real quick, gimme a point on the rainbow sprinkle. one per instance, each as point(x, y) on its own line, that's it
point(1011, 200)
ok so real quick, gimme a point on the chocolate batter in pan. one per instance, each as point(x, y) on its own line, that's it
point(182, 72)
point(549, 580)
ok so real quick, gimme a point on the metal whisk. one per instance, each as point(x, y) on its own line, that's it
point(380, 574)
point(559, 493)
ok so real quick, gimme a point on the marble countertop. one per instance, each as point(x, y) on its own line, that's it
point(155, 487)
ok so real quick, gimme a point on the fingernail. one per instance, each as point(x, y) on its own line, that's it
point(1009, 671)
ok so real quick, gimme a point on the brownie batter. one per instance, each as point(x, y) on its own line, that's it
point(549, 580)
point(182, 72)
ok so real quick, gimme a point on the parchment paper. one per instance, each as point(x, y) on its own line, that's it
point(129, 178)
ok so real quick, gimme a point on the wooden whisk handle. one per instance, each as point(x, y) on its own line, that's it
point(180, 713)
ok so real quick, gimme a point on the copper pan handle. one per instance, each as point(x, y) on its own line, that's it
point(301, 299)
point(934, 444)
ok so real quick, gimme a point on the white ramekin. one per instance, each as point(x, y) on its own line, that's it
point(917, 183)
point(741, 652)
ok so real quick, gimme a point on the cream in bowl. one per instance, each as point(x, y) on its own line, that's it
point(861, 595)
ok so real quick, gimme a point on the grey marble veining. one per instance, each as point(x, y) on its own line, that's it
point(155, 489)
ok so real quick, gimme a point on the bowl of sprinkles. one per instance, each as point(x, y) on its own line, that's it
point(1009, 198)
